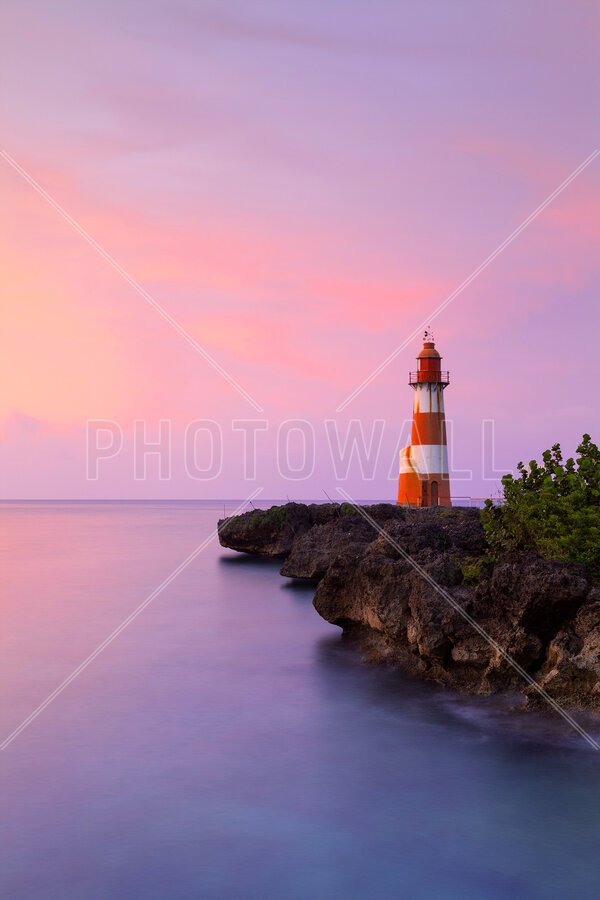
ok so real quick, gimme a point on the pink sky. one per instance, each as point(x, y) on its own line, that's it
point(299, 185)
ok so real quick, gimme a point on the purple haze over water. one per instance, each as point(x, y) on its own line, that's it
point(229, 744)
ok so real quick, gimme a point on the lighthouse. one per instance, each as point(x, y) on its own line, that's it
point(423, 477)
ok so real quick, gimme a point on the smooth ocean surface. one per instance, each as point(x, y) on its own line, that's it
point(229, 744)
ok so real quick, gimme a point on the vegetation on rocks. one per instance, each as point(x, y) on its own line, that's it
point(552, 508)
point(275, 517)
point(476, 569)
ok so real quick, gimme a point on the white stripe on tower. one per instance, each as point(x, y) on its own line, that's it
point(425, 459)
point(429, 398)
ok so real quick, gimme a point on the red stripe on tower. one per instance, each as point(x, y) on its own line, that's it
point(424, 477)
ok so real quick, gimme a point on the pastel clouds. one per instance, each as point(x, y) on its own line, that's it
point(299, 185)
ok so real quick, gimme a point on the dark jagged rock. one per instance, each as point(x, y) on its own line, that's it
point(271, 532)
point(571, 669)
point(415, 596)
point(313, 551)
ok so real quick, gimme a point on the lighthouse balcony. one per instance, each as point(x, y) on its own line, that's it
point(431, 377)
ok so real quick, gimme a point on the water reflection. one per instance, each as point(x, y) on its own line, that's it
point(232, 744)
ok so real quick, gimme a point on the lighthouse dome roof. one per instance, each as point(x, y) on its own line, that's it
point(429, 351)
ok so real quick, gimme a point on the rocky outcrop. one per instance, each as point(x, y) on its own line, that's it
point(312, 553)
point(272, 532)
point(433, 601)
point(571, 669)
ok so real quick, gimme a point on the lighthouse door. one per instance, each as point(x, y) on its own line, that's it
point(424, 494)
point(434, 493)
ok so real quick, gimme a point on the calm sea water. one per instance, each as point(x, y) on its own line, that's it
point(229, 744)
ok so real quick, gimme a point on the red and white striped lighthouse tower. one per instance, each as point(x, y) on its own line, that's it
point(423, 477)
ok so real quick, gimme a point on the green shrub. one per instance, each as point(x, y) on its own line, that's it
point(274, 517)
point(476, 569)
point(553, 508)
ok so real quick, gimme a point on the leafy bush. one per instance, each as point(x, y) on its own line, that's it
point(553, 508)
